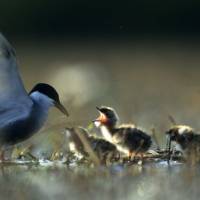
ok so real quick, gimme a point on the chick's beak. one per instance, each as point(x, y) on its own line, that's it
point(61, 108)
point(102, 118)
point(97, 108)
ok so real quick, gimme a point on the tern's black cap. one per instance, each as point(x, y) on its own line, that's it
point(47, 90)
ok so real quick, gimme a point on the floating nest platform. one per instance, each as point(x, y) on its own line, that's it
point(72, 159)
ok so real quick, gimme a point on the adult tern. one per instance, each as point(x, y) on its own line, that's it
point(21, 114)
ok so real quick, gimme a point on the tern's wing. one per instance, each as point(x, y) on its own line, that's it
point(11, 86)
point(11, 114)
point(13, 96)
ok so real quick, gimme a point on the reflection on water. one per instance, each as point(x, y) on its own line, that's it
point(154, 181)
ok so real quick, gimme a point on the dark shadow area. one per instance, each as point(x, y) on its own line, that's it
point(100, 18)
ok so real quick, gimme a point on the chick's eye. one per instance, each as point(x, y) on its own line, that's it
point(108, 114)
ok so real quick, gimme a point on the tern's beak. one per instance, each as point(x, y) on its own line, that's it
point(61, 108)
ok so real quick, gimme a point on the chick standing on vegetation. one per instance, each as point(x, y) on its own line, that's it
point(187, 141)
point(127, 138)
point(21, 114)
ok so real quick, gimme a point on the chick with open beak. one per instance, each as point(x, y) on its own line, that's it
point(127, 138)
point(107, 117)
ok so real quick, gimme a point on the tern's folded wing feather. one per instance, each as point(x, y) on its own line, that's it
point(11, 114)
point(11, 86)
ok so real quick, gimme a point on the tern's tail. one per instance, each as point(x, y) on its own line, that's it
point(6, 49)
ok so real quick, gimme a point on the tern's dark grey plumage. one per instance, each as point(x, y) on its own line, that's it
point(21, 114)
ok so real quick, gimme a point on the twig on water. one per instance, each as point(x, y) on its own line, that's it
point(172, 120)
point(79, 131)
point(169, 149)
point(153, 130)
